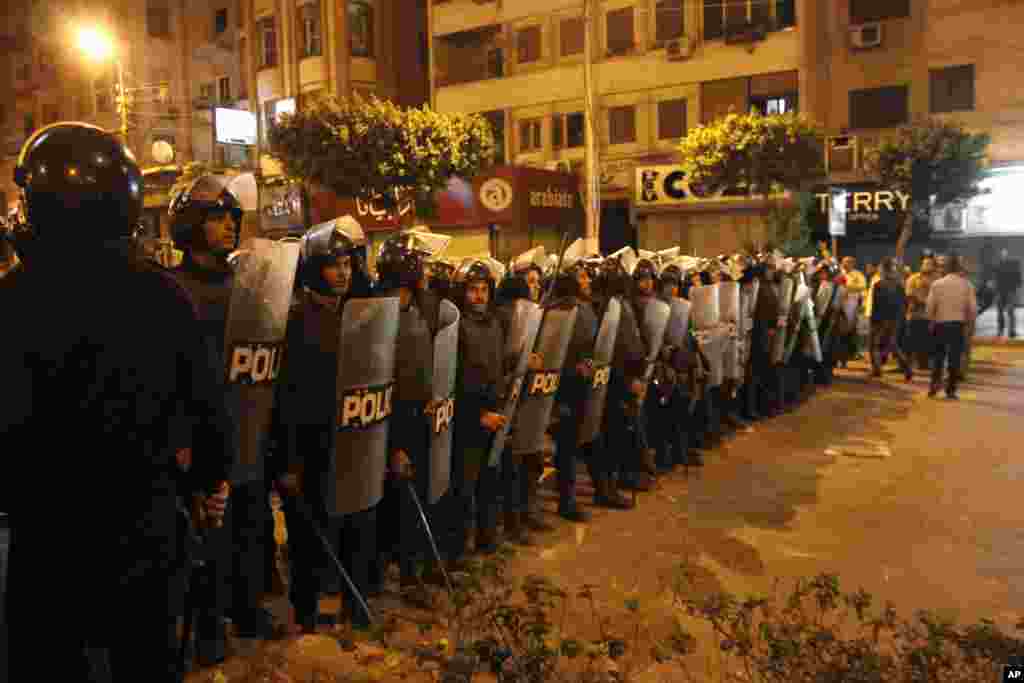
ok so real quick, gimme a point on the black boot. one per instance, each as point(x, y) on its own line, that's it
point(607, 495)
point(567, 507)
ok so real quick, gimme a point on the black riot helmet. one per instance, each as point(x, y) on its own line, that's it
point(399, 264)
point(193, 204)
point(323, 245)
point(613, 280)
point(80, 184)
point(671, 276)
point(645, 269)
point(472, 270)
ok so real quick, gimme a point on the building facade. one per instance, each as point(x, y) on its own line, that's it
point(860, 68)
point(294, 52)
point(51, 79)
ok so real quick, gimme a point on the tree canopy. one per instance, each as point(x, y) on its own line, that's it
point(764, 154)
point(951, 160)
point(373, 148)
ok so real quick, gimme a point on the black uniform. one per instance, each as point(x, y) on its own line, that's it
point(235, 575)
point(765, 375)
point(572, 392)
point(96, 387)
point(623, 427)
point(479, 387)
point(410, 430)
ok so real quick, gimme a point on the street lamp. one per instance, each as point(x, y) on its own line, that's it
point(100, 47)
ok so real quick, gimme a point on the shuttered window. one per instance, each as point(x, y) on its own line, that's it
point(621, 125)
point(671, 119)
point(570, 33)
point(620, 30)
point(718, 98)
point(528, 43)
point(668, 17)
point(879, 107)
point(951, 89)
point(863, 11)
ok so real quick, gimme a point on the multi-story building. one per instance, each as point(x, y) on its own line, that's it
point(860, 68)
point(52, 80)
point(296, 51)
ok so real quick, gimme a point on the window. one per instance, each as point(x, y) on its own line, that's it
point(863, 11)
point(620, 30)
point(574, 130)
point(785, 13)
point(879, 107)
point(495, 62)
point(668, 18)
point(158, 21)
point(781, 104)
point(51, 113)
point(310, 44)
point(267, 29)
point(360, 28)
point(528, 44)
point(529, 135)
point(951, 89)
point(723, 16)
point(621, 125)
point(567, 130)
point(273, 110)
point(570, 35)
point(220, 21)
point(671, 119)
point(224, 90)
point(496, 119)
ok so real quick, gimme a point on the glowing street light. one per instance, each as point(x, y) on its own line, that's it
point(100, 47)
point(95, 44)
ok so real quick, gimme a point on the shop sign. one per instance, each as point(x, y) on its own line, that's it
point(871, 212)
point(667, 185)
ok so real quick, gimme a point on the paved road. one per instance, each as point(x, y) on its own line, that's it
point(915, 499)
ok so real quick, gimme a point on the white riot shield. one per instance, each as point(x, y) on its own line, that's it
point(366, 380)
point(656, 315)
point(522, 337)
point(604, 350)
point(730, 315)
point(261, 294)
point(786, 292)
point(712, 345)
point(705, 310)
point(446, 351)
point(539, 388)
point(812, 342)
point(796, 318)
point(678, 323)
point(828, 328)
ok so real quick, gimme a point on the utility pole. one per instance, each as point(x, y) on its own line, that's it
point(593, 185)
point(122, 100)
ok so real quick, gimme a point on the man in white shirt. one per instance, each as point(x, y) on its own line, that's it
point(952, 308)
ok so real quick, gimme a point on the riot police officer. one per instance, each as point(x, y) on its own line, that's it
point(110, 372)
point(623, 429)
point(206, 221)
point(332, 272)
point(645, 277)
point(572, 288)
point(479, 387)
point(401, 270)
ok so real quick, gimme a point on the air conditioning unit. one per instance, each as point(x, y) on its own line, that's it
point(866, 36)
point(676, 50)
point(842, 154)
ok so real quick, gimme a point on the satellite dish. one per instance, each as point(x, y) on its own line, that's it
point(162, 152)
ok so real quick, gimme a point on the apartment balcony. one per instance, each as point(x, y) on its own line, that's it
point(470, 56)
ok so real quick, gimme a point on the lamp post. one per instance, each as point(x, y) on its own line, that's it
point(100, 47)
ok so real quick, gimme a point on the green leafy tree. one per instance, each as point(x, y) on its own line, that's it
point(373, 148)
point(946, 159)
point(765, 155)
